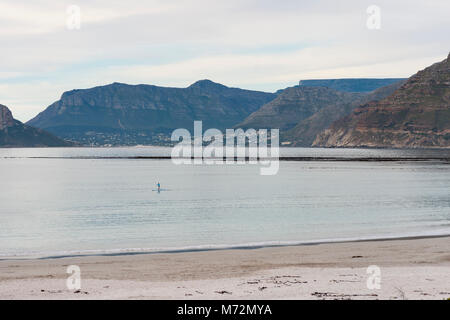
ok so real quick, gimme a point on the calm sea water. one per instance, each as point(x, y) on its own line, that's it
point(69, 206)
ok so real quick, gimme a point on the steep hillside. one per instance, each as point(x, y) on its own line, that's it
point(305, 132)
point(121, 114)
point(13, 133)
point(296, 104)
point(416, 115)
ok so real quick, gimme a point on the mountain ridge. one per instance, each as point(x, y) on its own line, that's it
point(294, 104)
point(119, 113)
point(14, 133)
point(351, 84)
point(302, 112)
point(417, 115)
point(306, 131)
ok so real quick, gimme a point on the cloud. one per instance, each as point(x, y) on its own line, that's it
point(261, 71)
point(40, 17)
point(257, 44)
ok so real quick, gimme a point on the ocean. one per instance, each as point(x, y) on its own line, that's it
point(71, 201)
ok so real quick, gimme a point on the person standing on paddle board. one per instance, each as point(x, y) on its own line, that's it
point(159, 187)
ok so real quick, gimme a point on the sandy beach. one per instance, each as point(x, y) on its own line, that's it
point(409, 269)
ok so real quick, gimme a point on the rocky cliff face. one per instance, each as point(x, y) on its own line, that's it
point(6, 118)
point(294, 105)
point(302, 112)
point(417, 115)
point(306, 131)
point(14, 133)
point(122, 114)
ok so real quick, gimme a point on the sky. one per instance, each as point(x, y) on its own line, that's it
point(48, 47)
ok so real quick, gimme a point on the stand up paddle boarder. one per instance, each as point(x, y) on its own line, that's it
point(159, 187)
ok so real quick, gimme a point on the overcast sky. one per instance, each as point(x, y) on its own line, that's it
point(254, 44)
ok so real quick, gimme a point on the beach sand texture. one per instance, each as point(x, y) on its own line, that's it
point(409, 269)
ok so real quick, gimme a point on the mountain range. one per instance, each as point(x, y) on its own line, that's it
point(351, 85)
point(122, 114)
point(302, 112)
point(403, 113)
point(14, 133)
point(414, 116)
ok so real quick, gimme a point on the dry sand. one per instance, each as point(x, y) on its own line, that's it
point(410, 269)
